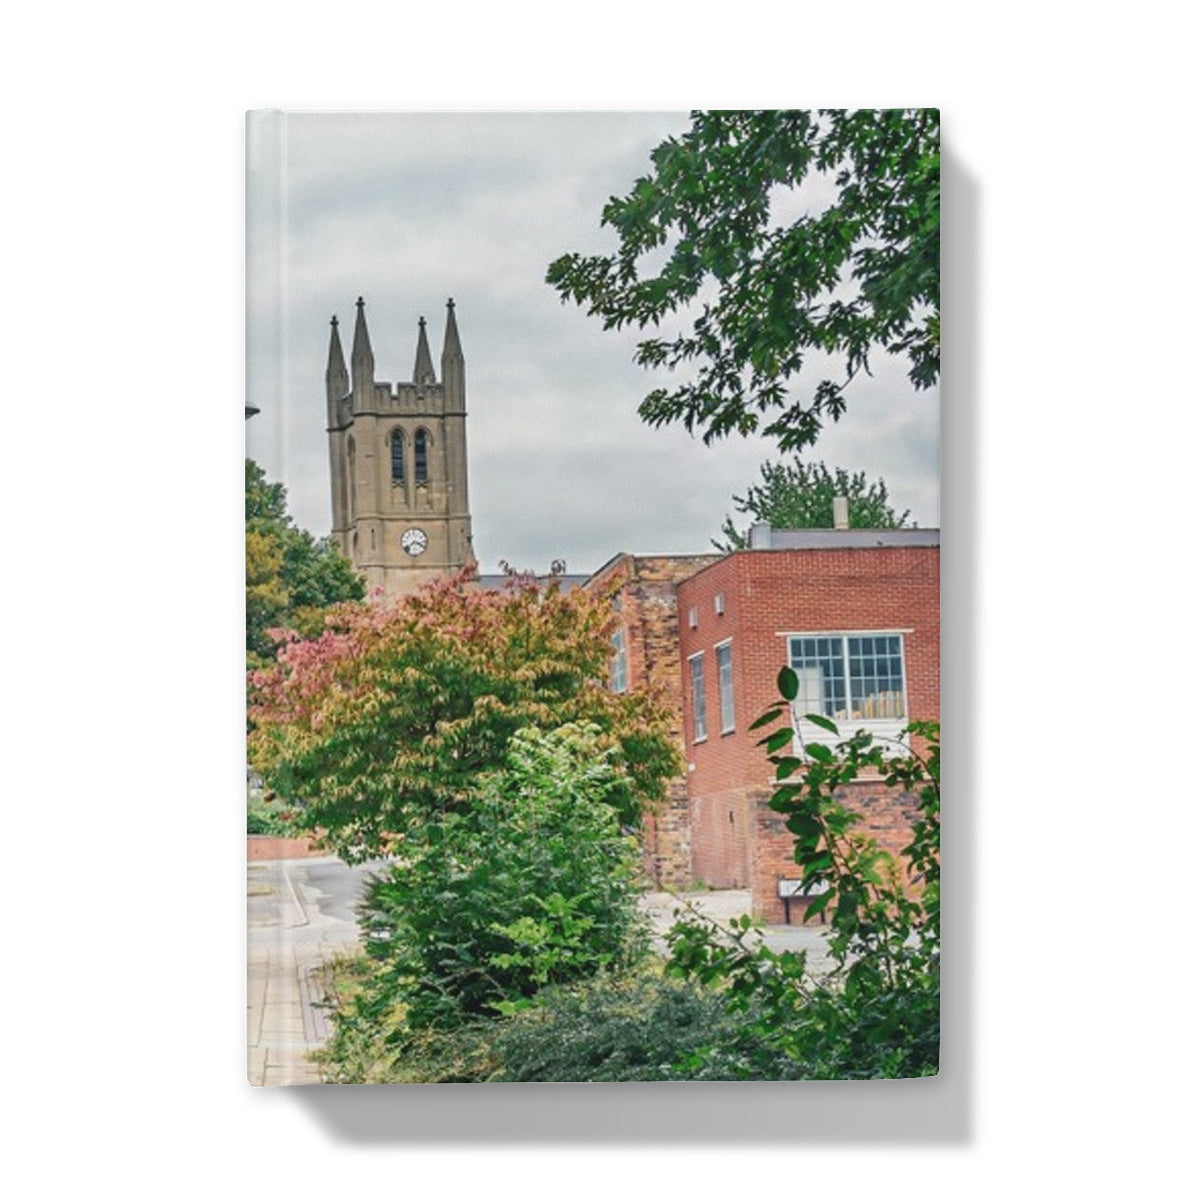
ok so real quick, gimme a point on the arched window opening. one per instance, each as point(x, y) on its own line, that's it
point(350, 463)
point(397, 440)
point(421, 456)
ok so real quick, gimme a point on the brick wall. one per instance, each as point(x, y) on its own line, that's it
point(643, 589)
point(667, 841)
point(886, 814)
point(261, 847)
point(721, 838)
point(764, 595)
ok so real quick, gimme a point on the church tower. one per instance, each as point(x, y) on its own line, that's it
point(398, 461)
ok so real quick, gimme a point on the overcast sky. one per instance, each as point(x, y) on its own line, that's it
point(408, 210)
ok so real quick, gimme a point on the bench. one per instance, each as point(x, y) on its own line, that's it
point(795, 889)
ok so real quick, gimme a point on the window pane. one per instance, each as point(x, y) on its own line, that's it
point(619, 673)
point(398, 456)
point(874, 666)
point(822, 676)
point(876, 678)
point(421, 456)
point(699, 714)
point(725, 685)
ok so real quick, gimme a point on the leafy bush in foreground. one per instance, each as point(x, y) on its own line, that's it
point(878, 1014)
point(636, 1026)
point(532, 884)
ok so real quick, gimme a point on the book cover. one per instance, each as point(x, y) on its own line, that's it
point(592, 595)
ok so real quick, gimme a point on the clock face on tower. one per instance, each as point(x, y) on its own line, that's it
point(414, 541)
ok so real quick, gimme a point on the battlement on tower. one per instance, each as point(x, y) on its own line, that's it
point(413, 399)
point(398, 461)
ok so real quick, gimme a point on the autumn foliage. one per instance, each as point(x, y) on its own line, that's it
point(391, 715)
point(291, 577)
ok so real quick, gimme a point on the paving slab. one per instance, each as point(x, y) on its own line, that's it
point(722, 907)
point(297, 922)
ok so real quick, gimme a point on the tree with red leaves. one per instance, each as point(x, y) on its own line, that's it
point(393, 714)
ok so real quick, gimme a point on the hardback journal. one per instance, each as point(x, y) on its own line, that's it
point(592, 596)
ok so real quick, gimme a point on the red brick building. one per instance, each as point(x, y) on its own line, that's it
point(646, 653)
point(854, 612)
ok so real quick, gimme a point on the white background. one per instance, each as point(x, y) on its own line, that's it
point(1069, 439)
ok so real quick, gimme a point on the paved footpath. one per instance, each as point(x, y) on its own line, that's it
point(300, 915)
point(721, 908)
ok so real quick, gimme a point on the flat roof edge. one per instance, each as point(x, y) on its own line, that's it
point(847, 539)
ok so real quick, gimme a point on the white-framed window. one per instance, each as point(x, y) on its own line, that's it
point(850, 678)
point(618, 672)
point(725, 684)
point(699, 709)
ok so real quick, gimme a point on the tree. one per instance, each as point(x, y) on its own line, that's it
point(800, 495)
point(291, 577)
point(856, 272)
point(391, 715)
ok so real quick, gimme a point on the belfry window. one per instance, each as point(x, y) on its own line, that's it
point(397, 440)
point(421, 456)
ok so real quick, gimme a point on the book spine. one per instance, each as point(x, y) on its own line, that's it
point(266, 217)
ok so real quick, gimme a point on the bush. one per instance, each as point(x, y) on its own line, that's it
point(878, 1014)
point(635, 1026)
point(615, 1029)
point(372, 1041)
point(272, 817)
point(533, 884)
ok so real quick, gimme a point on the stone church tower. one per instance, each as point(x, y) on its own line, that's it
point(398, 462)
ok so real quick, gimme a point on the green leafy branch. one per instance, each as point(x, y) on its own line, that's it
point(877, 1013)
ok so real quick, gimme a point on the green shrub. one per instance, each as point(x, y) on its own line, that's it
point(878, 1014)
point(612, 1028)
point(272, 817)
point(532, 884)
point(617, 1028)
point(372, 1041)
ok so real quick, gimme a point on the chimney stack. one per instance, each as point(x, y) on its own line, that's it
point(760, 535)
